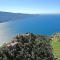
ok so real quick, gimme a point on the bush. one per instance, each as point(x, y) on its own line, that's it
point(37, 49)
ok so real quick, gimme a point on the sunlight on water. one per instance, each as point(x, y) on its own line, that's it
point(4, 32)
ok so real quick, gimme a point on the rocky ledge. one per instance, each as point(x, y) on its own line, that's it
point(27, 46)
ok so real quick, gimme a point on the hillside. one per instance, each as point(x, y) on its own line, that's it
point(27, 46)
point(8, 16)
point(56, 44)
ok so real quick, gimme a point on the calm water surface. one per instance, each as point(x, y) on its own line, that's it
point(42, 24)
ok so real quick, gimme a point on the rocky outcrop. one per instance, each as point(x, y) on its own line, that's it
point(28, 46)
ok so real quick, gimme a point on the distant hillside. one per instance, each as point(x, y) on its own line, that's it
point(7, 16)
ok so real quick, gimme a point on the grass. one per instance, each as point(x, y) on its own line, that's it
point(56, 49)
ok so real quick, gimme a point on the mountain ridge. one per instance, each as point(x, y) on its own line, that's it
point(8, 16)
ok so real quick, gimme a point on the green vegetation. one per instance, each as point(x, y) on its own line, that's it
point(56, 45)
point(38, 47)
point(56, 48)
point(28, 47)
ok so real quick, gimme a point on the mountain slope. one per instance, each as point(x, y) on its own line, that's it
point(28, 46)
point(8, 16)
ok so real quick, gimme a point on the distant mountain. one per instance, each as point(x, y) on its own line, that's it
point(8, 16)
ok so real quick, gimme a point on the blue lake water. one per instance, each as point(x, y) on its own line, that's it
point(41, 24)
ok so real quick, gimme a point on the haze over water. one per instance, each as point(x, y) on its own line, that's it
point(41, 24)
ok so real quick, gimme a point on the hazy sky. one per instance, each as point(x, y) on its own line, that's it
point(30, 6)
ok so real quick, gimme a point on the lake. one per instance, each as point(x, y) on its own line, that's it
point(40, 24)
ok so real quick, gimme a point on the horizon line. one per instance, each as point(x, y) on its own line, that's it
point(27, 13)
